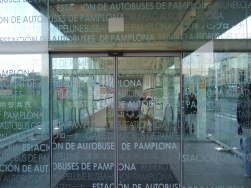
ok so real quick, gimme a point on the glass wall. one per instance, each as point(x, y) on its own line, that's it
point(24, 124)
point(24, 96)
point(216, 89)
point(205, 121)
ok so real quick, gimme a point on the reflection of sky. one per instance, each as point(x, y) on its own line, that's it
point(68, 63)
point(21, 20)
point(28, 63)
point(20, 29)
point(239, 31)
point(199, 63)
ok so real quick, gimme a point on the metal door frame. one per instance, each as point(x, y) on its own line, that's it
point(113, 54)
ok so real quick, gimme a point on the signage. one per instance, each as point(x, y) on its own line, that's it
point(61, 93)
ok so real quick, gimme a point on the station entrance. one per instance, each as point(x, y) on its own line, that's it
point(116, 120)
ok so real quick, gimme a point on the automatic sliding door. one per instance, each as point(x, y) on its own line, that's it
point(148, 121)
point(88, 148)
point(83, 143)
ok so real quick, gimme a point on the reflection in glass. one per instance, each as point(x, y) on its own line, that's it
point(219, 81)
point(148, 129)
point(83, 121)
point(24, 120)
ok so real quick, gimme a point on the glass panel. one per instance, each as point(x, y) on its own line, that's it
point(83, 121)
point(216, 98)
point(117, 24)
point(24, 120)
point(149, 145)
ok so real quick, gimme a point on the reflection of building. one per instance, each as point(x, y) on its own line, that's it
point(28, 84)
point(34, 81)
point(231, 71)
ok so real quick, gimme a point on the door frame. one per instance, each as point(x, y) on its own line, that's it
point(116, 55)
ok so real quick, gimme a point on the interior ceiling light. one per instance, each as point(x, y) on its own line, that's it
point(219, 148)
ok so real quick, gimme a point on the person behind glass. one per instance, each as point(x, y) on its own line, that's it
point(141, 100)
point(191, 114)
point(131, 111)
point(147, 109)
point(244, 121)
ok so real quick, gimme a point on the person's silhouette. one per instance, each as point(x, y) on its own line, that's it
point(244, 121)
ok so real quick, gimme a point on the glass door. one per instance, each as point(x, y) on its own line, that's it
point(148, 121)
point(115, 120)
point(82, 121)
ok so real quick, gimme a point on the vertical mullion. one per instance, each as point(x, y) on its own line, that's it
point(181, 122)
point(51, 120)
point(116, 154)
